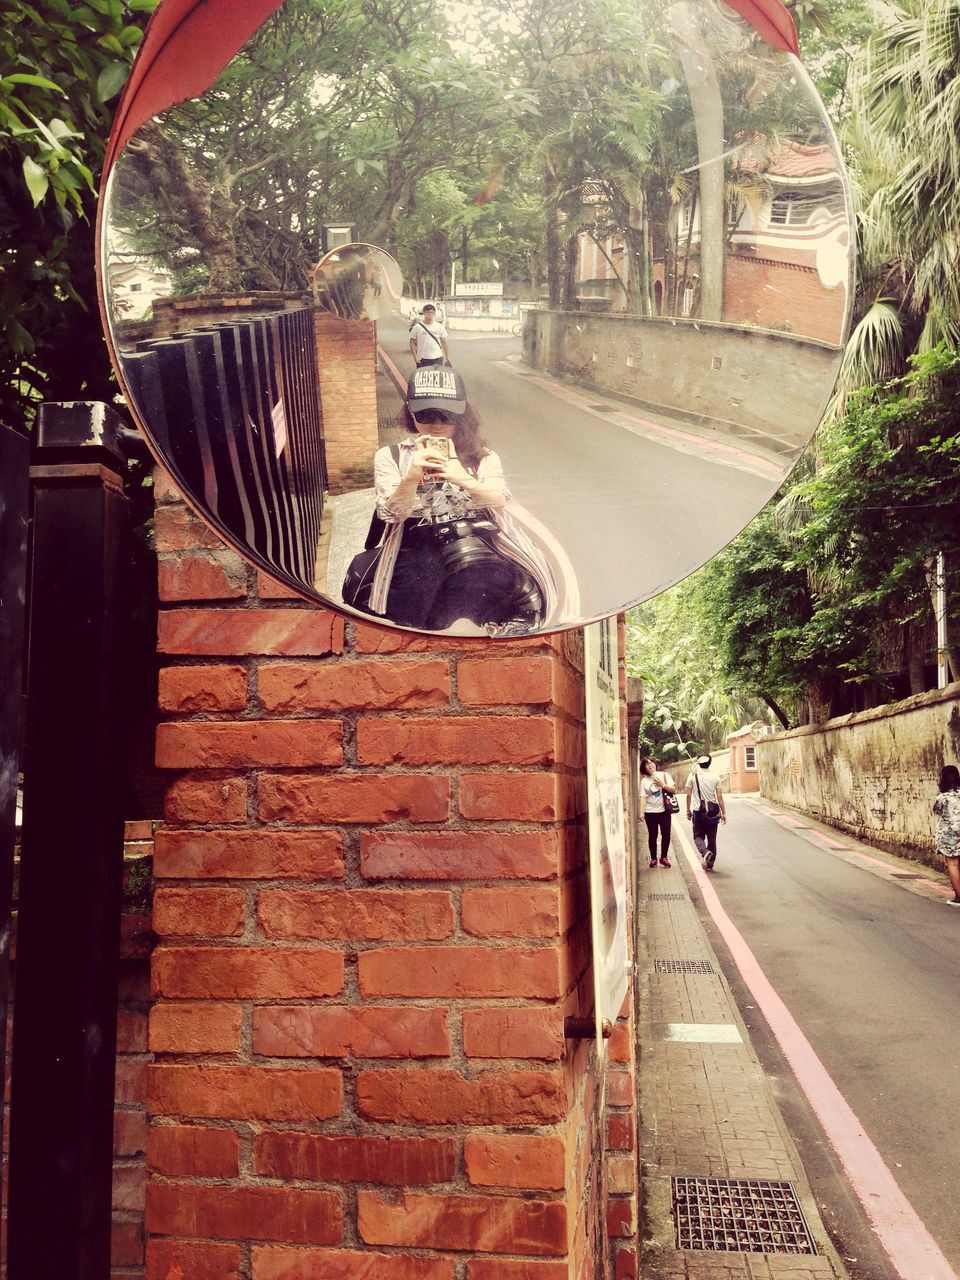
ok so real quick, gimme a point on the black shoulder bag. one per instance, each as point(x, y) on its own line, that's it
point(709, 810)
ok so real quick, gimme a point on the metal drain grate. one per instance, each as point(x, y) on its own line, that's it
point(666, 897)
point(739, 1215)
point(682, 966)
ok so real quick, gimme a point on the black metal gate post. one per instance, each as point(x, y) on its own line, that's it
point(64, 1038)
point(14, 461)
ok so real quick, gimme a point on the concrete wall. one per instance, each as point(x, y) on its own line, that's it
point(758, 381)
point(872, 773)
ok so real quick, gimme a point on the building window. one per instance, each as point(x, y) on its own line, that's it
point(750, 759)
point(799, 209)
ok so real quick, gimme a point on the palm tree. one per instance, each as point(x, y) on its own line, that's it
point(903, 135)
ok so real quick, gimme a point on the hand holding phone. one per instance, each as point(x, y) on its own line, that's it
point(437, 444)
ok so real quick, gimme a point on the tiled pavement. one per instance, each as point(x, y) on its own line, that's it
point(706, 1107)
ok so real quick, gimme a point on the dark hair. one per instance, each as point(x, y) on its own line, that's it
point(466, 436)
point(950, 778)
point(644, 761)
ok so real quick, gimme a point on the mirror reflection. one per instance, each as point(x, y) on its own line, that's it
point(483, 318)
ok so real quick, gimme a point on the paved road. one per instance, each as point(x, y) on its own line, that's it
point(634, 513)
point(868, 967)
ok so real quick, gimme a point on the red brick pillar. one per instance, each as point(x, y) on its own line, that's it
point(373, 918)
point(347, 377)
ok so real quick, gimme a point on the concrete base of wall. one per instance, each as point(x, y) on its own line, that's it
point(873, 773)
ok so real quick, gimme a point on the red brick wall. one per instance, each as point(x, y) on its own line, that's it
point(346, 371)
point(756, 289)
point(373, 919)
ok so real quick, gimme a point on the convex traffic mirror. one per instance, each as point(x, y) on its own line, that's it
point(482, 318)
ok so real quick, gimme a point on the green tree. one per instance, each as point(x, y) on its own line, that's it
point(63, 66)
point(904, 90)
point(336, 110)
point(885, 500)
point(690, 704)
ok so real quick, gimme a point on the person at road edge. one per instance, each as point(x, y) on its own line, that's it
point(947, 808)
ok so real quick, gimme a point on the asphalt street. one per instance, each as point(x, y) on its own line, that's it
point(636, 508)
point(866, 963)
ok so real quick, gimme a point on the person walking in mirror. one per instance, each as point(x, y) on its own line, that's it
point(452, 558)
point(947, 808)
point(656, 808)
point(428, 339)
point(708, 811)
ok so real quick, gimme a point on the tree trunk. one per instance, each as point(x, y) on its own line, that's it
point(212, 233)
point(707, 103)
point(552, 241)
point(777, 710)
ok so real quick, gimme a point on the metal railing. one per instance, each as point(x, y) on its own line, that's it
point(235, 411)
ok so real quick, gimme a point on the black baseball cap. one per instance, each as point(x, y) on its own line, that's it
point(436, 386)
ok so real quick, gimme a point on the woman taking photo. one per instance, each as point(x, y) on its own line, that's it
point(451, 559)
point(655, 808)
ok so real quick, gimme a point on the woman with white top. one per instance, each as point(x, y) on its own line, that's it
point(451, 559)
point(654, 810)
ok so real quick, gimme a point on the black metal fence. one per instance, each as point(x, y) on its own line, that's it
point(235, 409)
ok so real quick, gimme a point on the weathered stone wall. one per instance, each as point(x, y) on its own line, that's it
point(872, 773)
point(772, 383)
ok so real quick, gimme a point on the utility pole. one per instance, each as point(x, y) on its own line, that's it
point(940, 609)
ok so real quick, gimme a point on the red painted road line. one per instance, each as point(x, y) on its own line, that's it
point(943, 890)
point(829, 842)
point(906, 1241)
point(396, 377)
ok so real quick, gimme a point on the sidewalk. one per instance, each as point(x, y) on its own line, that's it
point(719, 1171)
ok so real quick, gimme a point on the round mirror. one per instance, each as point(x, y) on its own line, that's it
point(483, 318)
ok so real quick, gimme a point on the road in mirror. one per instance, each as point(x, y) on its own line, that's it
point(631, 226)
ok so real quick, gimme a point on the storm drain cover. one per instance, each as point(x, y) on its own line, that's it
point(682, 966)
point(739, 1215)
point(666, 897)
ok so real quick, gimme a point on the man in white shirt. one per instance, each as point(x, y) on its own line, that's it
point(706, 809)
point(428, 339)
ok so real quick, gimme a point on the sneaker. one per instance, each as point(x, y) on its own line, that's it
point(664, 862)
point(653, 862)
point(710, 860)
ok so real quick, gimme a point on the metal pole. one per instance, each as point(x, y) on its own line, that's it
point(943, 674)
point(14, 497)
point(68, 942)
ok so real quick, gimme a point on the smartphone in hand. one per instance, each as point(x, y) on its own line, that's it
point(438, 444)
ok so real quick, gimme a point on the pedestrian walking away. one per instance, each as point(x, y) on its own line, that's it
point(947, 808)
point(428, 338)
point(709, 810)
point(657, 806)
